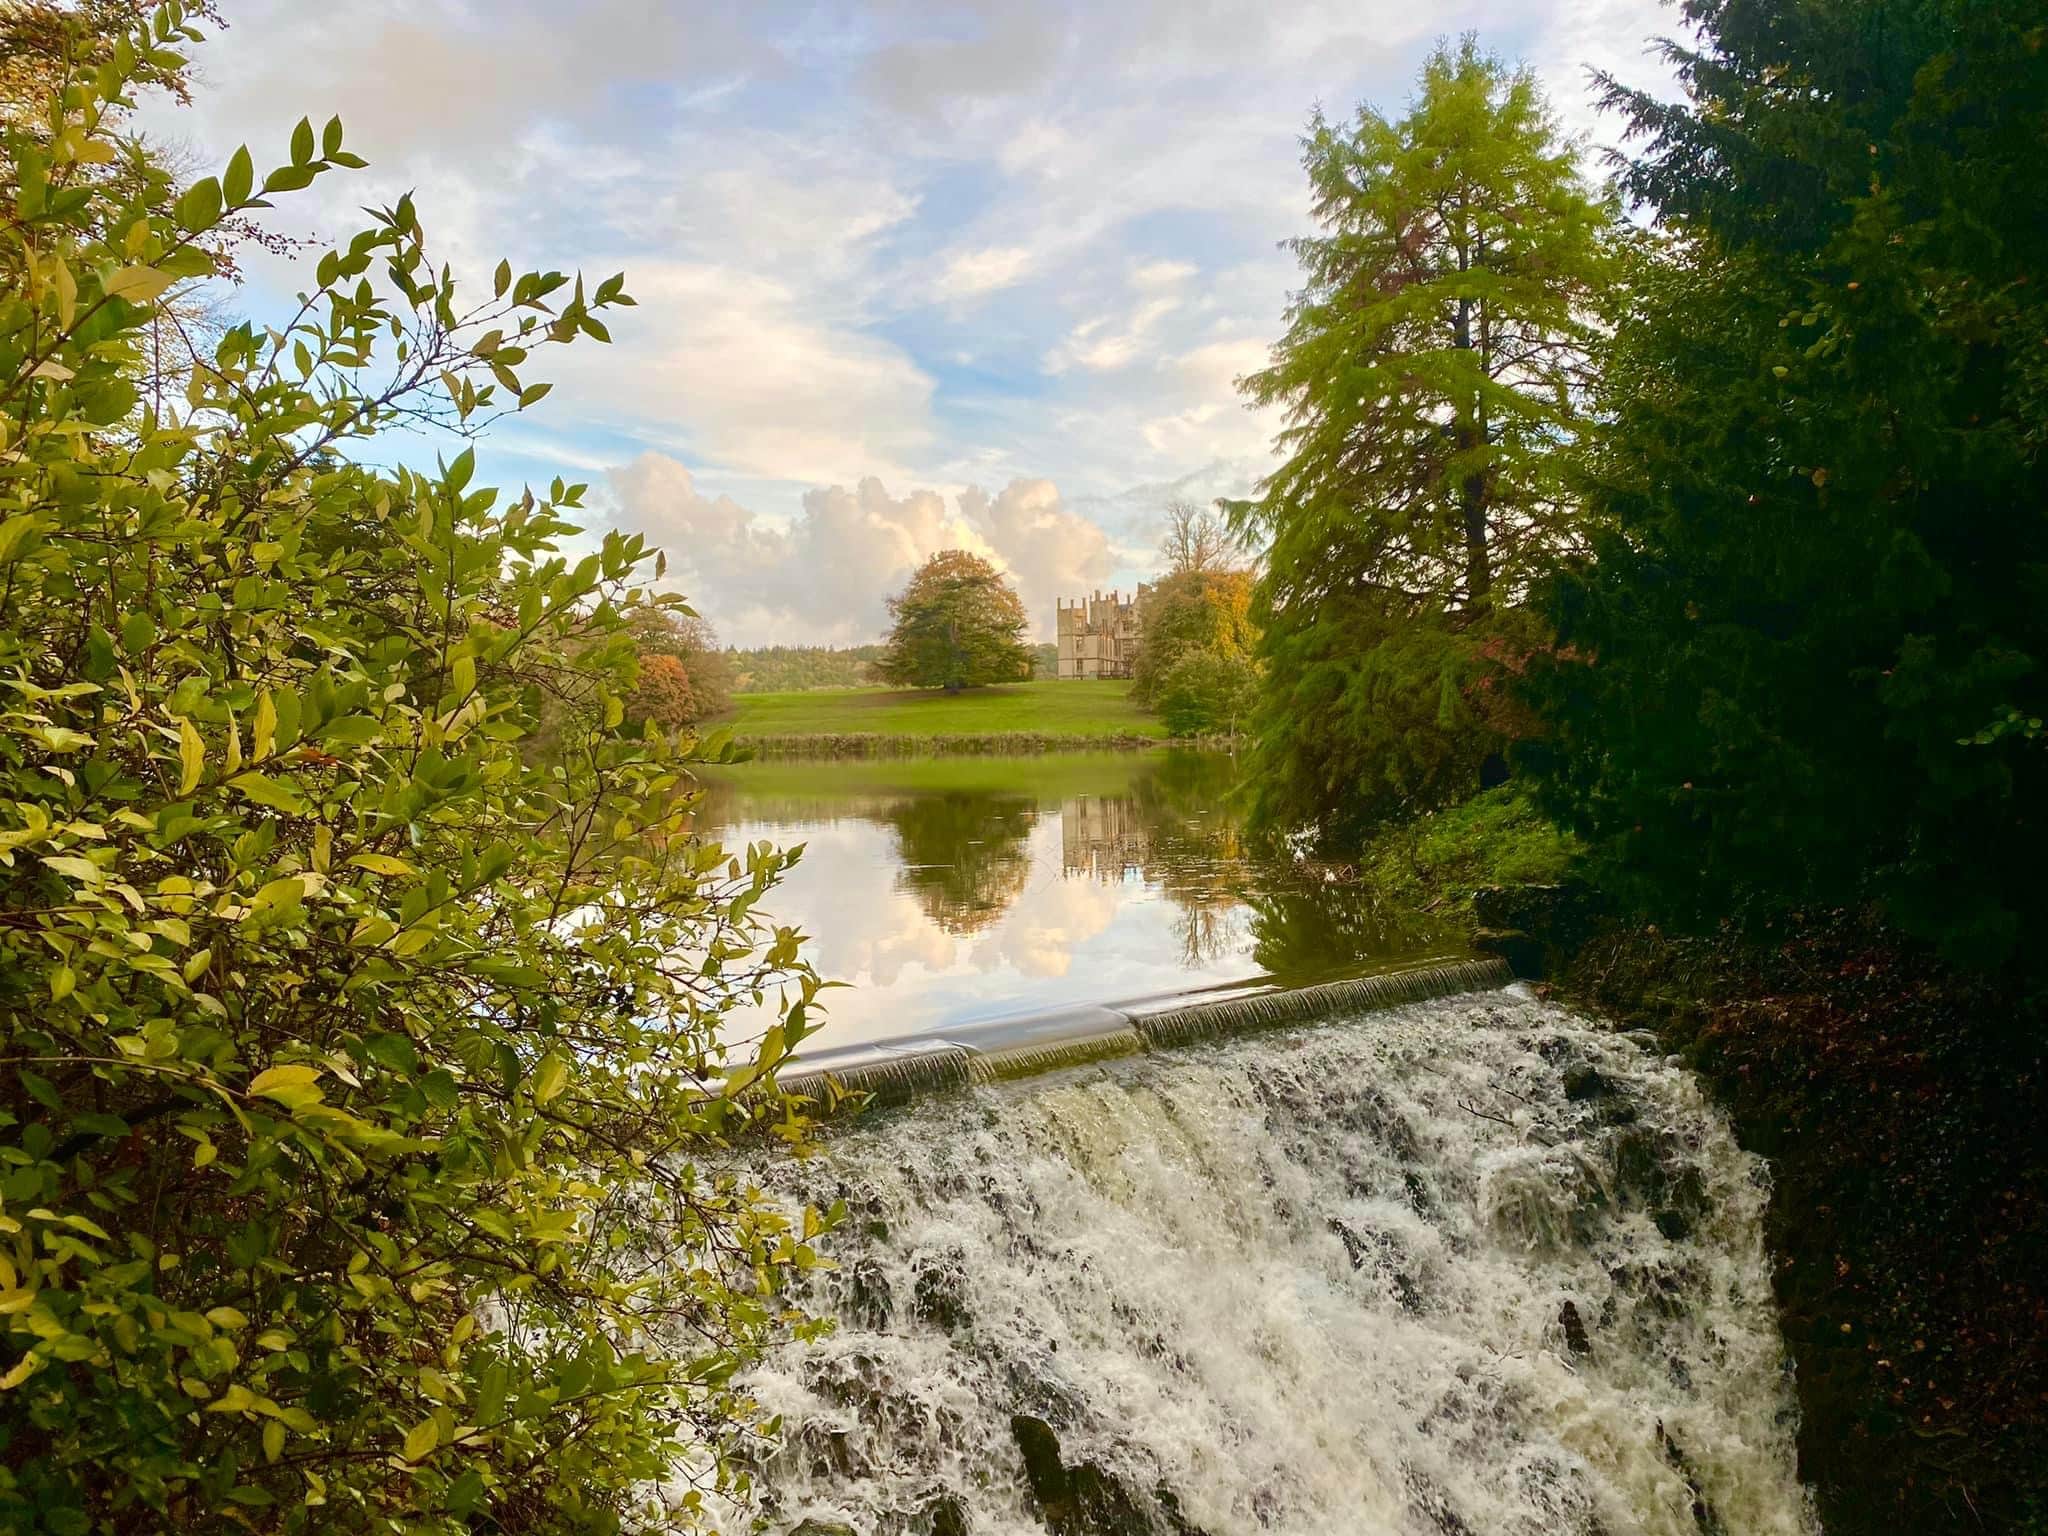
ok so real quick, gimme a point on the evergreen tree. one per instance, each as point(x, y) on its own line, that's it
point(1433, 376)
point(958, 625)
point(1812, 640)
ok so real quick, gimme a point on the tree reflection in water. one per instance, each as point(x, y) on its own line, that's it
point(1175, 891)
point(963, 855)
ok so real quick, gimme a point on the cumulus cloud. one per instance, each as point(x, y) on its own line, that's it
point(969, 274)
point(878, 244)
point(822, 577)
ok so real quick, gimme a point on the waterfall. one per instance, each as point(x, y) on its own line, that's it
point(1464, 1267)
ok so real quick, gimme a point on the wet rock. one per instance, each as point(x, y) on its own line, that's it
point(1584, 1082)
point(1102, 1506)
point(1523, 952)
point(944, 1515)
point(1557, 915)
point(1177, 1523)
point(823, 1528)
point(1575, 1336)
point(1639, 1165)
point(1703, 1515)
point(1434, 1511)
point(939, 1296)
point(1675, 1225)
point(870, 1301)
point(1382, 1255)
point(1045, 1474)
point(1089, 1500)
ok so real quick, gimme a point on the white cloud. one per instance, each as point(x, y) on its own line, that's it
point(823, 577)
point(971, 273)
point(882, 243)
point(758, 380)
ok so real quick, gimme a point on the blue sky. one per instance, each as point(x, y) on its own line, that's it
point(909, 275)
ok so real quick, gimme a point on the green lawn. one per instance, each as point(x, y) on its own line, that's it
point(1076, 708)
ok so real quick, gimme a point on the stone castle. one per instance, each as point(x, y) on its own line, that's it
point(1098, 636)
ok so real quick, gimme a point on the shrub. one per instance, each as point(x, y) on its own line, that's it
point(364, 1082)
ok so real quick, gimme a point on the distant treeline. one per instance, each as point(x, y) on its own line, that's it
point(783, 668)
point(789, 668)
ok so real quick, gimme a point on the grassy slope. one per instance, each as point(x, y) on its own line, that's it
point(1078, 709)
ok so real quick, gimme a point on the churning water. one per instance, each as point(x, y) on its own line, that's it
point(1473, 1267)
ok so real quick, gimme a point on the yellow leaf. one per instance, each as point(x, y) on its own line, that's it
point(191, 756)
point(62, 982)
point(227, 1317)
point(421, 1439)
point(549, 1079)
point(382, 864)
point(67, 291)
point(286, 1084)
point(265, 725)
point(273, 1440)
point(21, 1372)
point(234, 762)
point(137, 284)
point(237, 1399)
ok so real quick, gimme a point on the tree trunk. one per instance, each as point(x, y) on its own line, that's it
point(1472, 491)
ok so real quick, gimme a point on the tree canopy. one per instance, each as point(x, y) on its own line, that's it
point(1433, 375)
point(1808, 658)
point(365, 1081)
point(958, 624)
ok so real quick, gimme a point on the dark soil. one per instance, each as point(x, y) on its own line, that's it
point(1905, 1114)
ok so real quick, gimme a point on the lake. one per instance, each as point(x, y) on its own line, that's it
point(948, 889)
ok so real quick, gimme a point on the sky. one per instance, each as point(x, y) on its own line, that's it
point(910, 275)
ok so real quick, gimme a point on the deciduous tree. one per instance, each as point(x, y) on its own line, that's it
point(361, 1083)
point(958, 625)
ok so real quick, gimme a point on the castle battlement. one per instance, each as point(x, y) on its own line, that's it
point(1098, 635)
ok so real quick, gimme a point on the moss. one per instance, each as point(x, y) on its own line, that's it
point(1435, 862)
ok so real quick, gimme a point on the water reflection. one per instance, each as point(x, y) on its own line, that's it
point(964, 887)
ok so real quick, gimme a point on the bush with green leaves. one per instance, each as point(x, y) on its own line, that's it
point(366, 1101)
point(1208, 693)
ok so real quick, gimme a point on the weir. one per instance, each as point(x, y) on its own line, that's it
point(1413, 1259)
point(989, 1050)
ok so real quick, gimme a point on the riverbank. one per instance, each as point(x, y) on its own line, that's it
point(885, 722)
point(1900, 1107)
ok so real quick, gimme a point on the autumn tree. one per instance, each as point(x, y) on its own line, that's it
point(1197, 538)
point(1200, 611)
point(958, 624)
point(668, 632)
point(1432, 378)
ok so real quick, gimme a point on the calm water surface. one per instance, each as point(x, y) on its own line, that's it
point(951, 889)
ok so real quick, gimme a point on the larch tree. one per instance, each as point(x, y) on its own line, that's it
point(1432, 379)
point(958, 624)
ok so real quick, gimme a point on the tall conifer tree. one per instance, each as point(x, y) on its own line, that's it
point(1432, 375)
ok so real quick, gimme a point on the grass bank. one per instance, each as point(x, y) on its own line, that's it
point(880, 722)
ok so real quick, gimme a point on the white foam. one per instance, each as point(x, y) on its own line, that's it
point(1312, 1282)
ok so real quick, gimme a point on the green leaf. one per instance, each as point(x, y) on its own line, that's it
point(240, 179)
point(302, 142)
point(293, 1086)
point(199, 208)
point(267, 791)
